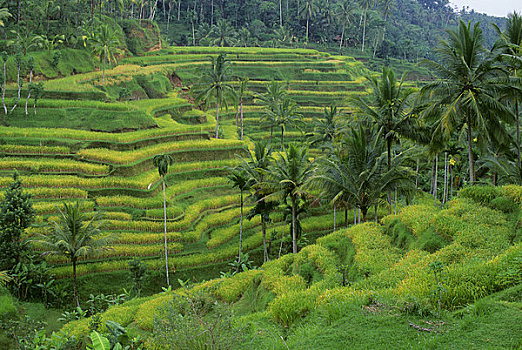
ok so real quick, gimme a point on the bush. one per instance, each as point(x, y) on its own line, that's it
point(480, 193)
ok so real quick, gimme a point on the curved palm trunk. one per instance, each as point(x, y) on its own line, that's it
point(241, 229)
point(294, 236)
point(75, 283)
point(165, 220)
point(217, 115)
point(470, 153)
point(281, 246)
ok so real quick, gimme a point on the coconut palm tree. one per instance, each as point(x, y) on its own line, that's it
point(466, 94)
point(240, 179)
point(240, 95)
point(105, 45)
point(308, 10)
point(162, 163)
point(286, 113)
point(223, 33)
point(388, 109)
point(510, 47)
point(272, 98)
point(256, 165)
point(215, 80)
point(357, 172)
point(4, 16)
point(326, 128)
point(74, 237)
point(345, 17)
point(365, 5)
point(288, 176)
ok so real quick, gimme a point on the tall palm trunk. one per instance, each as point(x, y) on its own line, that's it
point(282, 137)
point(364, 28)
point(241, 115)
point(3, 87)
point(19, 88)
point(294, 236)
point(417, 175)
point(75, 283)
point(280, 13)
point(263, 228)
point(241, 228)
point(444, 192)
point(29, 91)
point(334, 218)
point(342, 39)
point(165, 221)
point(217, 115)
point(435, 184)
point(104, 61)
point(470, 152)
point(518, 133)
point(307, 21)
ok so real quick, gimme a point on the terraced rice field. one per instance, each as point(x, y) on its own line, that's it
point(104, 157)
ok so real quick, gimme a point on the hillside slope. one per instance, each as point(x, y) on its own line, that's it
point(369, 286)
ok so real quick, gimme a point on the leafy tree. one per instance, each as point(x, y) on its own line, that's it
point(74, 238)
point(38, 90)
point(240, 179)
point(16, 214)
point(466, 94)
point(288, 176)
point(105, 45)
point(215, 80)
point(162, 163)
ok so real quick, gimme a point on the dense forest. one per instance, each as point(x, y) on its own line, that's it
point(406, 29)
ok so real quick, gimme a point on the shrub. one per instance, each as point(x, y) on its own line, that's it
point(480, 193)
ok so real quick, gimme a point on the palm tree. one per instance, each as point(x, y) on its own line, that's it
point(388, 109)
point(74, 239)
point(240, 95)
point(240, 179)
point(105, 45)
point(308, 10)
point(4, 15)
point(365, 4)
point(466, 92)
point(345, 16)
point(326, 128)
point(358, 171)
point(257, 166)
point(162, 162)
point(223, 33)
point(510, 46)
point(288, 175)
point(286, 113)
point(270, 100)
point(215, 80)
